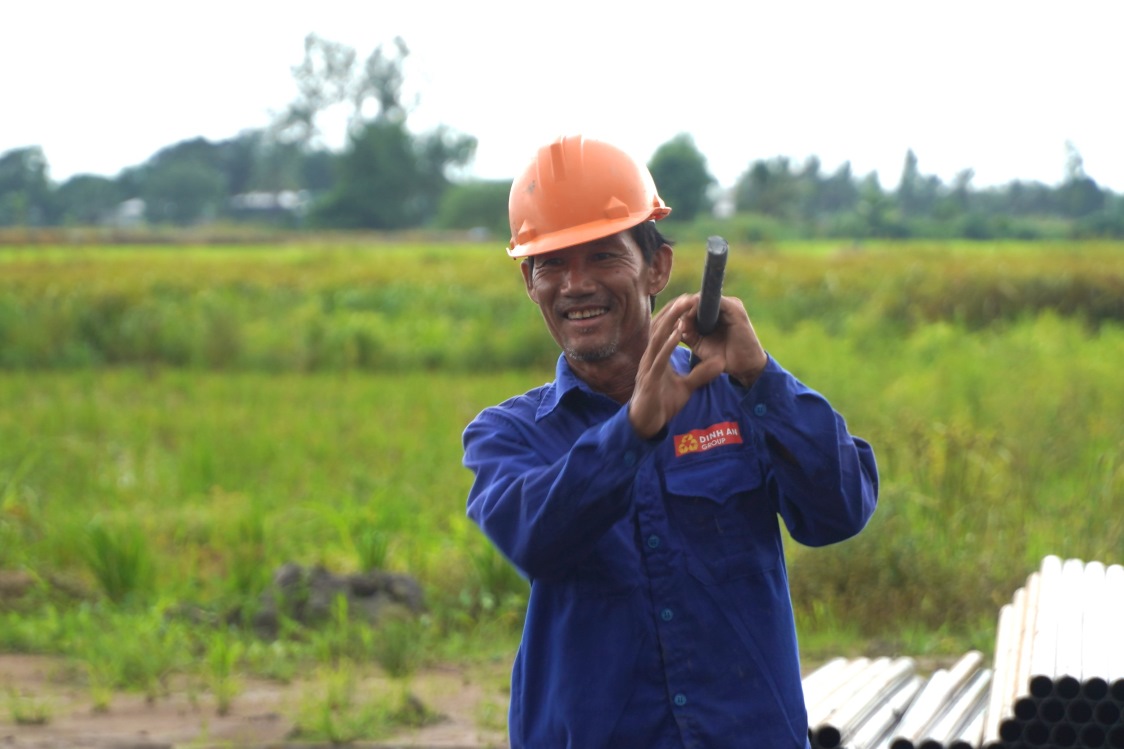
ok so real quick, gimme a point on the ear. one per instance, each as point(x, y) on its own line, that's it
point(527, 267)
point(659, 272)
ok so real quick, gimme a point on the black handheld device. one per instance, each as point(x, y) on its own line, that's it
point(714, 271)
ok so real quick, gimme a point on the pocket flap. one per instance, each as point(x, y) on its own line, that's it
point(716, 478)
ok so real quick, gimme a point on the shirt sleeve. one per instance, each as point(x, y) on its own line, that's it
point(825, 479)
point(543, 514)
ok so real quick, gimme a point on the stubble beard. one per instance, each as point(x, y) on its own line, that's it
point(592, 355)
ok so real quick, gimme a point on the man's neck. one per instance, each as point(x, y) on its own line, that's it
point(610, 377)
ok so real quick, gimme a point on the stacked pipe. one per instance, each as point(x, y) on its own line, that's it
point(1059, 660)
point(946, 712)
point(884, 704)
point(1057, 679)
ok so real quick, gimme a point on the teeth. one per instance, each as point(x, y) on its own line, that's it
point(585, 314)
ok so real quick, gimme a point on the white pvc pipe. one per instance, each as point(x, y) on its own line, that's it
point(877, 731)
point(960, 711)
point(1067, 649)
point(856, 673)
point(1043, 655)
point(842, 723)
point(1114, 614)
point(1095, 631)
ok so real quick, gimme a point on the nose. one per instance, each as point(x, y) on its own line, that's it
point(577, 280)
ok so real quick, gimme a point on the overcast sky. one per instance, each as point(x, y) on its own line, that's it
point(999, 87)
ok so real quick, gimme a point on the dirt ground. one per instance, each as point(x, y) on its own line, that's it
point(472, 707)
point(471, 703)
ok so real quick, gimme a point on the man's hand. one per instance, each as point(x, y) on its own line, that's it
point(734, 342)
point(732, 347)
point(660, 391)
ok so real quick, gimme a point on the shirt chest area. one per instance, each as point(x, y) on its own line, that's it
point(699, 509)
point(702, 508)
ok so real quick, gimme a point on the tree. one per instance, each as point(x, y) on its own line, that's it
point(377, 176)
point(679, 170)
point(387, 177)
point(183, 192)
point(439, 151)
point(909, 187)
point(838, 193)
point(237, 159)
point(768, 187)
point(876, 208)
point(917, 194)
point(390, 180)
point(808, 188)
point(475, 204)
point(87, 199)
point(25, 191)
point(329, 76)
point(1026, 199)
point(1080, 195)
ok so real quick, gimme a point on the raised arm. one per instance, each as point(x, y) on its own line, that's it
point(543, 504)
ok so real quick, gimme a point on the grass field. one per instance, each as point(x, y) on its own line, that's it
point(176, 422)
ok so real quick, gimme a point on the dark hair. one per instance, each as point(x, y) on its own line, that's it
point(649, 238)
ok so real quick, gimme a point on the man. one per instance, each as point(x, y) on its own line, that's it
point(640, 496)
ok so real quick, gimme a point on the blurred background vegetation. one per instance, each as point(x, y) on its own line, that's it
point(213, 412)
point(388, 177)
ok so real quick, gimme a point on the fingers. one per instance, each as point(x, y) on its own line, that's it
point(677, 307)
point(683, 310)
point(664, 340)
point(704, 372)
point(665, 327)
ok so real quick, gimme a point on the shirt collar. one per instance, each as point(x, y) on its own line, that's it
point(565, 381)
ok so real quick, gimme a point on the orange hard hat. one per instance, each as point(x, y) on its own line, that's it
point(577, 190)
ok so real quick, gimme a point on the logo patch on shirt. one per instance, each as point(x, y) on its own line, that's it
point(701, 440)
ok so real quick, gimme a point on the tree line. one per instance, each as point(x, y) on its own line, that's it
point(387, 177)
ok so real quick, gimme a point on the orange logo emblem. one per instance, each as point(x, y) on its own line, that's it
point(701, 440)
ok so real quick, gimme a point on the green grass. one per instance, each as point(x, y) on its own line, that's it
point(175, 423)
point(409, 308)
point(224, 466)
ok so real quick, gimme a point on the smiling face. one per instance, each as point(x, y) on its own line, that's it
point(595, 296)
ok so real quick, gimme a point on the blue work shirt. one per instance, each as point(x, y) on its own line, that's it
point(659, 611)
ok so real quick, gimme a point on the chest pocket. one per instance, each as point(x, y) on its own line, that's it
point(718, 506)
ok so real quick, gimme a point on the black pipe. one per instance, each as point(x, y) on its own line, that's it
point(714, 271)
point(1079, 711)
point(1026, 708)
point(1063, 735)
point(1094, 688)
point(1093, 736)
point(1067, 687)
point(1037, 733)
point(1011, 729)
point(1106, 713)
point(1051, 711)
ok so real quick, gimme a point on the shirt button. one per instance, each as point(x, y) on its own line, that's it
point(666, 615)
point(680, 699)
point(760, 409)
point(653, 542)
point(629, 458)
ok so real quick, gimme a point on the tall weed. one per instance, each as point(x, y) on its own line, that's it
point(121, 561)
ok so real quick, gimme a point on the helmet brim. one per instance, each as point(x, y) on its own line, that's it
point(575, 235)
